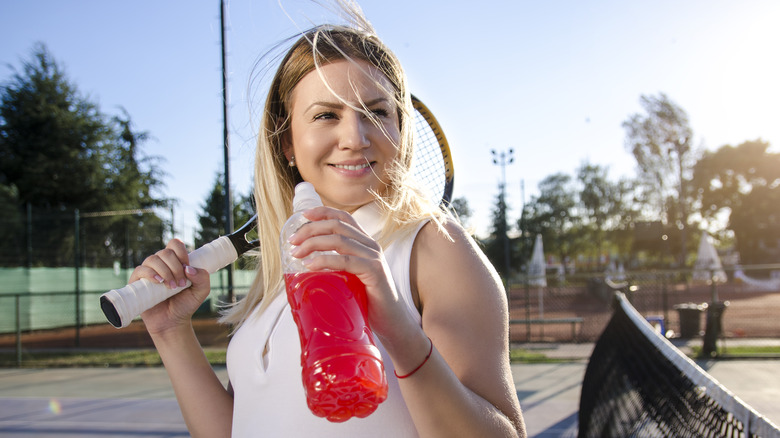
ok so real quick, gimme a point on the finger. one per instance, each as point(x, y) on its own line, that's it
point(178, 247)
point(340, 243)
point(344, 226)
point(162, 271)
point(199, 278)
point(339, 262)
point(145, 272)
point(169, 269)
point(325, 213)
point(175, 276)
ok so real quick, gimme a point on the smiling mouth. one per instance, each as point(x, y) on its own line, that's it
point(352, 166)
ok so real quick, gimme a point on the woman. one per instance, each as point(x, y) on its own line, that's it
point(338, 116)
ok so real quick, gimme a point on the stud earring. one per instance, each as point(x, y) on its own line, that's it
point(292, 161)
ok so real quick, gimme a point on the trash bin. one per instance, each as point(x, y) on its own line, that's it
point(690, 319)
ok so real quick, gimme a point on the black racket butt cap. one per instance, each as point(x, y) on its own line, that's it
point(110, 311)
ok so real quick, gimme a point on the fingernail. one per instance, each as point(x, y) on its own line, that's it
point(172, 284)
point(182, 282)
point(294, 251)
point(159, 279)
point(189, 270)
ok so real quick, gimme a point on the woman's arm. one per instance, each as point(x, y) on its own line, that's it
point(465, 388)
point(206, 405)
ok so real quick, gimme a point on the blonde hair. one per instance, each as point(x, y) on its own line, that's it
point(403, 206)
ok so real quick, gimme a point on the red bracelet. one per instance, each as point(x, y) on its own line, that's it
point(428, 356)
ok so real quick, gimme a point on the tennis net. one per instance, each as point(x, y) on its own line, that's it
point(637, 384)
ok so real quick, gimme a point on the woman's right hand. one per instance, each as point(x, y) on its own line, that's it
point(170, 266)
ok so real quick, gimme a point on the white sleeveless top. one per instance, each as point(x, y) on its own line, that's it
point(269, 399)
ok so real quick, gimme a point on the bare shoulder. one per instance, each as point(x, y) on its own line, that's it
point(441, 260)
point(457, 286)
point(453, 241)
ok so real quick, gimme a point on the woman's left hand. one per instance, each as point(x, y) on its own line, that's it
point(359, 254)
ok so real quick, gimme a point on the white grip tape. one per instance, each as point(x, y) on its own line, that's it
point(139, 296)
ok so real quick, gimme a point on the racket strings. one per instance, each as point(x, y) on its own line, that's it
point(427, 161)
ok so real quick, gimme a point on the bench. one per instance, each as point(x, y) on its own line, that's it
point(544, 321)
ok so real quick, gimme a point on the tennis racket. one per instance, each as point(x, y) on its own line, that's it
point(431, 165)
point(431, 157)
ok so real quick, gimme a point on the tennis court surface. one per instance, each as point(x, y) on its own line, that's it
point(131, 402)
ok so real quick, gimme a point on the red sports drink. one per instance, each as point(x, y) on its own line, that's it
point(343, 373)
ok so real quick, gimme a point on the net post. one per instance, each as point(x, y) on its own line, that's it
point(76, 251)
point(17, 302)
point(712, 329)
point(527, 287)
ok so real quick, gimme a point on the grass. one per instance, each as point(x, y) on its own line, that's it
point(520, 355)
point(150, 358)
point(738, 351)
point(124, 358)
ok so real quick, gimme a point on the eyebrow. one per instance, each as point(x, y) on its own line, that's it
point(340, 105)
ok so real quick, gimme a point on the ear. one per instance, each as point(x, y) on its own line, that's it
point(287, 147)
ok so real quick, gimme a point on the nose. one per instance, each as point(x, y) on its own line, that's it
point(354, 129)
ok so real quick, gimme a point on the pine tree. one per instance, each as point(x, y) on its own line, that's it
point(59, 153)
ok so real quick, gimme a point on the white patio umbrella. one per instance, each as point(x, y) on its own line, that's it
point(537, 272)
point(707, 266)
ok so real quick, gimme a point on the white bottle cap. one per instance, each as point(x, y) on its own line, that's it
point(305, 197)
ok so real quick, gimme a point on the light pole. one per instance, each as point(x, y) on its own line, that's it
point(226, 150)
point(502, 159)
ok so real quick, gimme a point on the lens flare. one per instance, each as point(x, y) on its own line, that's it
point(55, 407)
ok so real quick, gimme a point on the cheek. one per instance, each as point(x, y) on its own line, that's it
point(304, 143)
point(393, 141)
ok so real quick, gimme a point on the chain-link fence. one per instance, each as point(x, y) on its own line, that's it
point(86, 254)
point(39, 237)
point(47, 298)
point(571, 308)
point(576, 308)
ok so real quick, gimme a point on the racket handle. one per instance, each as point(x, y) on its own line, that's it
point(121, 306)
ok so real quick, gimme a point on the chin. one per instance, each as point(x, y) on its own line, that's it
point(352, 203)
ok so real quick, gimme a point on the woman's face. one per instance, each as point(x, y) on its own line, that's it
point(340, 148)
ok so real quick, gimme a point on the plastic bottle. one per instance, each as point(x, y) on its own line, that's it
point(343, 374)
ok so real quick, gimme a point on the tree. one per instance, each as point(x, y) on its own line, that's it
point(212, 218)
point(604, 206)
point(496, 248)
point(597, 199)
point(52, 140)
point(553, 215)
point(460, 207)
point(61, 154)
point(134, 182)
point(11, 225)
point(660, 141)
point(744, 182)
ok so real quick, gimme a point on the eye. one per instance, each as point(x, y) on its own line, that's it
point(379, 112)
point(325, 116)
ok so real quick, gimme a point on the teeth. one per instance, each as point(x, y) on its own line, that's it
point(351, 167)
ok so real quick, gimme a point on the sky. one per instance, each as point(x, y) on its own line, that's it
point(551, 80)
